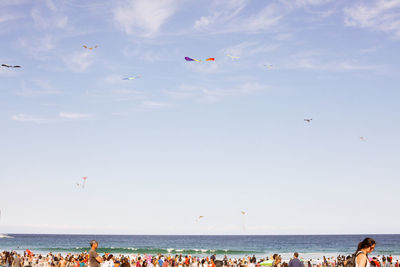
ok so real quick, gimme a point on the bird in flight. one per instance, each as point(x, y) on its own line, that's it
point(308, 120)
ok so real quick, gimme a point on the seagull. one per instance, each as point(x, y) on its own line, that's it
point(308, 120)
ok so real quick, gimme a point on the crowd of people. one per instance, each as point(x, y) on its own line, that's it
point(93, 259)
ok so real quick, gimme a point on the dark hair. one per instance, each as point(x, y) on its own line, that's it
point(296, 254)
point(93, 242)
point(366, 243)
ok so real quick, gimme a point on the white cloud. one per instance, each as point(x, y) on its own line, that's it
point(79, 61)
point(155, 105)
point(225, 18)
point(48, 19)
point(9, 17)
point(37, 46)
point(5, 3)
point(74, 116)
point(316, 61)
point(114, 79)
point(215, 94)
point(381, 15)
point(249, 49)
point(28, 118)
point(312, 2)
point(144, 17)
point(37, 87)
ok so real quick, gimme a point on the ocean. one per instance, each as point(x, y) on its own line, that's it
point(309, 246)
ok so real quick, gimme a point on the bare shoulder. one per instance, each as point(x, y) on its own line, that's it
point(361, 255)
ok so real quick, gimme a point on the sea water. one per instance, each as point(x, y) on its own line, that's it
point(309, 246)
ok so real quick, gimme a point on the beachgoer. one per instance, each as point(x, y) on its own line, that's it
point(364, 248)
point(17, 262)
point(295, 262)
point(94, 258)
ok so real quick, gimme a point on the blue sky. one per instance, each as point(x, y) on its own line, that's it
point(200, 138)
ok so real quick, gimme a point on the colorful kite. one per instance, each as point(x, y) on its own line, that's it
point(90, 48)
point(191, 59)
point(233, 57)
point(131, 78)
point(10, 66)
point(210, 59)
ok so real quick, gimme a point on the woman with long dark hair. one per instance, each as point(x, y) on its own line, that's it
point(364, 248)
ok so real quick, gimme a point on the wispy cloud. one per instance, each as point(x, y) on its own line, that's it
point(317, 61)
point(144, 17)
point(4, 17)
point(74, 116)
point(37, 87)
point(225, 18)
point(211, 94)
point(49, 17)
point(156, 105)
point(38, 46)
point(249, 49)
point(28, 118)
point(381, 15)
point(79, 61)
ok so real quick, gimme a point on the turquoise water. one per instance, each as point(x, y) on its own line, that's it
point(311, 246)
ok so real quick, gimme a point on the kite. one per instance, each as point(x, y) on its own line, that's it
point(131, 78)
point(308, 120)
point(90, 48)
point(191, 59)
point(10, 66)
point(243, 212)
point(268, 66)
point(233, 57)
point(83, 182)
point(362, 138)
point(210, 59)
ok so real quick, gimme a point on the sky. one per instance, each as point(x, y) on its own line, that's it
point(190, 139)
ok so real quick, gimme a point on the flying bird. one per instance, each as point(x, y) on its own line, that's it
point(10, 66)
point(233, 57)
point(308, 120)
